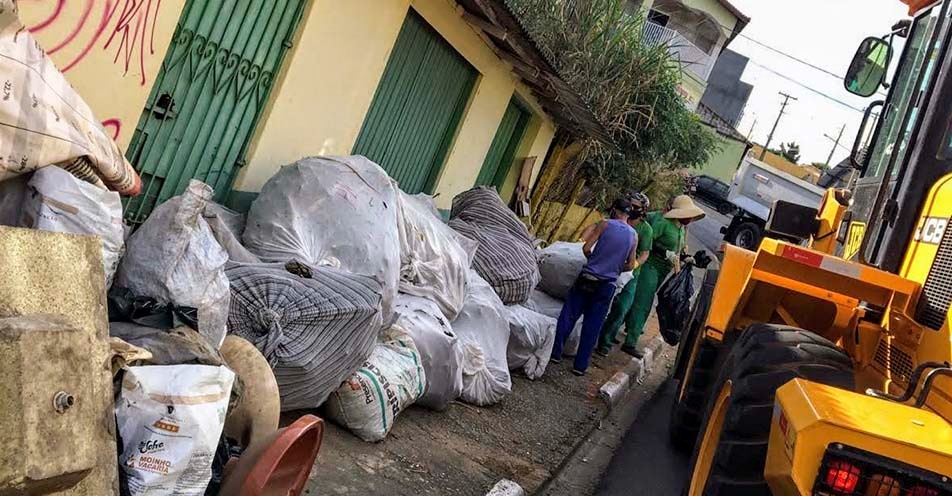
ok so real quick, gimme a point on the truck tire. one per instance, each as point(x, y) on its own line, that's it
point(730, 453)
point(747, 235)
point(694, 366)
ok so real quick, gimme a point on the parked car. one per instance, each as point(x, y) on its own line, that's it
point(713, 191)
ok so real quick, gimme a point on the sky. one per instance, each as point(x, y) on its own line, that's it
point(824, 33)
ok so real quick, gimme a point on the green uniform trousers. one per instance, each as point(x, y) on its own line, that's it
point(633, 305)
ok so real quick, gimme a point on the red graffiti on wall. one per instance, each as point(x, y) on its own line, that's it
point(115, 125)
point(125, 29)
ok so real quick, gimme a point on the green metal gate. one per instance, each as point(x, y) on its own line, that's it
point(208, 96)
point(502, 151)
point(417, 107)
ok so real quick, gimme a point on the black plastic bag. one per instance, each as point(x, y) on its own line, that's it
point(674, 304)
point(126, 306)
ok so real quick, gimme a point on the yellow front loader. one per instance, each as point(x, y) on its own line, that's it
point(819, 364)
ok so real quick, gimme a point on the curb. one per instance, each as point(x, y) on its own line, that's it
point(506, 487)
point(616, 389)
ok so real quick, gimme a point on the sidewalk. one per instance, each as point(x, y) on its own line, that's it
point(466, 450)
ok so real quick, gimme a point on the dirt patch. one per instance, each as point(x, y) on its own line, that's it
point(465, 450)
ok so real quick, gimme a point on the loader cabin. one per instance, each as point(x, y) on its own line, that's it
point(824, 369)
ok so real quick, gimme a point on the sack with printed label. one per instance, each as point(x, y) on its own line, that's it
point(170, 418)
point(390, 380)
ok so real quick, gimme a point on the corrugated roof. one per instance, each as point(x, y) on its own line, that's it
point(512, 42)
point(719, 123)
point(734, 10)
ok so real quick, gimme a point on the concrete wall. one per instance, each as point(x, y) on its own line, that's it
point(333, 71)
point(805, 172)
point(725, 161)
point(692, 89)
point(110, 58)
point(726, 94)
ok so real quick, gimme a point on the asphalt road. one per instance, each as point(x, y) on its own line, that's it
point(708, 229)
point(646, 464)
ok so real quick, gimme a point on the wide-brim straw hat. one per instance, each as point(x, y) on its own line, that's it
point(683, 207)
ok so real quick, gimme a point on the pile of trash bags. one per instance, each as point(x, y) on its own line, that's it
point(343, 294)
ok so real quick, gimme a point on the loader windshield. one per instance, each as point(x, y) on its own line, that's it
point(913, 79)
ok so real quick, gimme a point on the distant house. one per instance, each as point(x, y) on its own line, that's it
point(732, 146)
point(726, 94)
point(696, 32)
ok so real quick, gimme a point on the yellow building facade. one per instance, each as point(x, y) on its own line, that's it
point(318, 98)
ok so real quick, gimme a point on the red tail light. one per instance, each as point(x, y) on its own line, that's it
point(923, 491)
point(843, 477)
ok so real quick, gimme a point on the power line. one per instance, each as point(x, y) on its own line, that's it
point(791, 57)
point(794, 58)
point(804, 86)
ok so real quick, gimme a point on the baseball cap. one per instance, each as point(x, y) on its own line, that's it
point(622, 205)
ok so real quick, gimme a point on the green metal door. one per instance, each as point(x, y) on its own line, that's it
point(208, 96)
point(502, 151)
point(417, 107)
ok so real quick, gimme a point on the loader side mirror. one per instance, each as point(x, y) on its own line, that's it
point(868, 69)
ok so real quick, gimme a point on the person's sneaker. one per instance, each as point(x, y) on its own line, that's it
point(603, 352)
point(555, 360)
point(631, 350)
point(578, 372)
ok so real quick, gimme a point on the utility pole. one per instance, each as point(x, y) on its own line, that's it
point(836, 143)
point(751, 132)
point(783, 106)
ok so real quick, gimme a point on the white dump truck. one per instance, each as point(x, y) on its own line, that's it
point(755, 188)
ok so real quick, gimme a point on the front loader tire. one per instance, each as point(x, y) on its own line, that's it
point(731, 451)
point(695, 367)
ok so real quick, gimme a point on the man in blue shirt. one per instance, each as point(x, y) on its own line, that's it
point(611, 250)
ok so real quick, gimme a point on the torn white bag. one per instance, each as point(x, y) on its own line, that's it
point(440, 349)
point(483, 328)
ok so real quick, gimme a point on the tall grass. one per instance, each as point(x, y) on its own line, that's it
point(630, 86)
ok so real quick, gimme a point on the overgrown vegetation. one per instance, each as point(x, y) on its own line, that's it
point(631, 87)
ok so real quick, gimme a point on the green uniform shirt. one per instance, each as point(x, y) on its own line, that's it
point(645, 239)
point(667, 235)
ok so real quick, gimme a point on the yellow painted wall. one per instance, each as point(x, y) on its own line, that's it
point(109, 62)
point(535, 143)
point(333, 71)
point(576, 220)
point(805, 172)
point(691, 88)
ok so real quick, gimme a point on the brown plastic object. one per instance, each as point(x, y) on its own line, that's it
point(279, 465)
point(258, 411)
